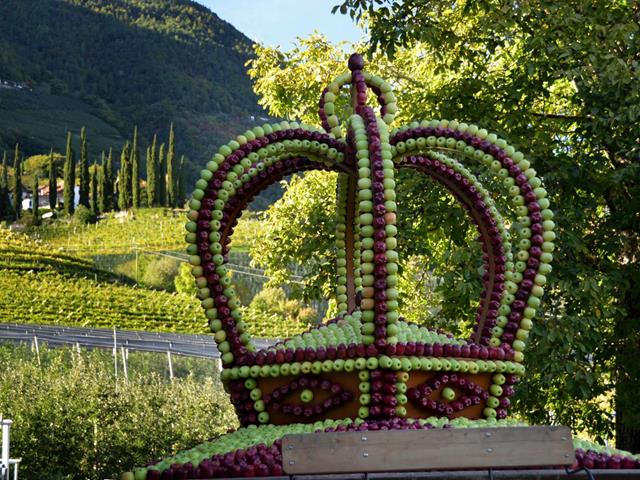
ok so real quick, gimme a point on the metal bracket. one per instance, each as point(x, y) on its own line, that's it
point(585, 469)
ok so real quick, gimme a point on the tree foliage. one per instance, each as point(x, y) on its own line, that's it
point(69, 176)
point(133, 62)
point(560, 81)
point(5, 203)
point(298, 230)
point(53, 182)
point(85, 180)
point(94, 200)
point(109, 181)
point(171, 170)
point(102, 185)
point(124, 178)
point(75, 420)
point(152, 174)
point(35, 200)
point(135, 170)
point(17, 182)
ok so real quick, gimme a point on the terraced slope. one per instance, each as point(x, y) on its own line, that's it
point(38, 286)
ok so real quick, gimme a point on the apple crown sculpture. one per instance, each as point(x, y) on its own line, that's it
point(368, 362)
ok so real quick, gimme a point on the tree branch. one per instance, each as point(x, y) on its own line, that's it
point(560, 116)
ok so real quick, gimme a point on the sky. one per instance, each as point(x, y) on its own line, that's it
point(279, 22)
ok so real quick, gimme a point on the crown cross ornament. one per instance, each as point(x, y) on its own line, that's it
point(368, 362)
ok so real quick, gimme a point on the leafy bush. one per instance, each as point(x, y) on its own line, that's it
point(270, 314)
point(184, 282)
point(83, 215)
point(73, 420)
point(161, 272)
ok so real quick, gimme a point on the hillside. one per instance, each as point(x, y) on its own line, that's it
point(41, 284)
point(122, 62)
point(38, 286)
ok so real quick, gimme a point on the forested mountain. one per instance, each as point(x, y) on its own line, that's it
point(124, 62)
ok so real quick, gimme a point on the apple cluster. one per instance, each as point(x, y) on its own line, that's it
point(257, 451)
point(504, 319)
point(591, 455)
point(364, 360)
point(368, 338)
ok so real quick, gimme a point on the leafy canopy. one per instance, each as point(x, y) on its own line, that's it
point(559, 80)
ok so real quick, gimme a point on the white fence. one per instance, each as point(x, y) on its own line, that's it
point(7, 464)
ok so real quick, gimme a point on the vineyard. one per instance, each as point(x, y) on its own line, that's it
point(151, 229)
point(147, 229)
point(42, 287)
point(50, 298)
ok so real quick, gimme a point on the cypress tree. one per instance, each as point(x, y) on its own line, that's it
point(180, 183)
point(124, 179)
point(84, 169)
point(102, 185)
point(171, 183)
point(162, 178)
point(93, 190)
point(151, 175)
point(17, 183)
point(4, 189)
point(154, 171)
point(53, 183)
point(109, 187)
point(35, 201)
point(69, 176)
point(135, 171)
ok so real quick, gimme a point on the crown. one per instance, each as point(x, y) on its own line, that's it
point(368, 362)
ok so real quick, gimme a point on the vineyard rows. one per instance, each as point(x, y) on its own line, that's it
point(50, 298)
point(38, 286)
point(148, 229)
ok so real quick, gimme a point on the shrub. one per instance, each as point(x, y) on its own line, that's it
point(73, 420)
point(161, 272)
point(184, 282)
point(270, 314)
point(83, 215)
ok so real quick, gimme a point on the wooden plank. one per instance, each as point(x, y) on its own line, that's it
point(474, 475)
point(419, 450)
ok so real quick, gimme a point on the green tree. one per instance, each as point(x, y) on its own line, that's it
point(171, 167)
point(5, 203)
point(573, 106)
point(180, 182)
point(53, 182)
point(84, 169)
point(161, 188)
point(35, 200)
point(69, 176)
point(135, 171)
point(93, 194)
point(308, 203)
point(270, 312)
point(149, 186)
point(17, 182)
point(152, 174)
point(109, 184)
point(102, 185)
point(124, 178)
